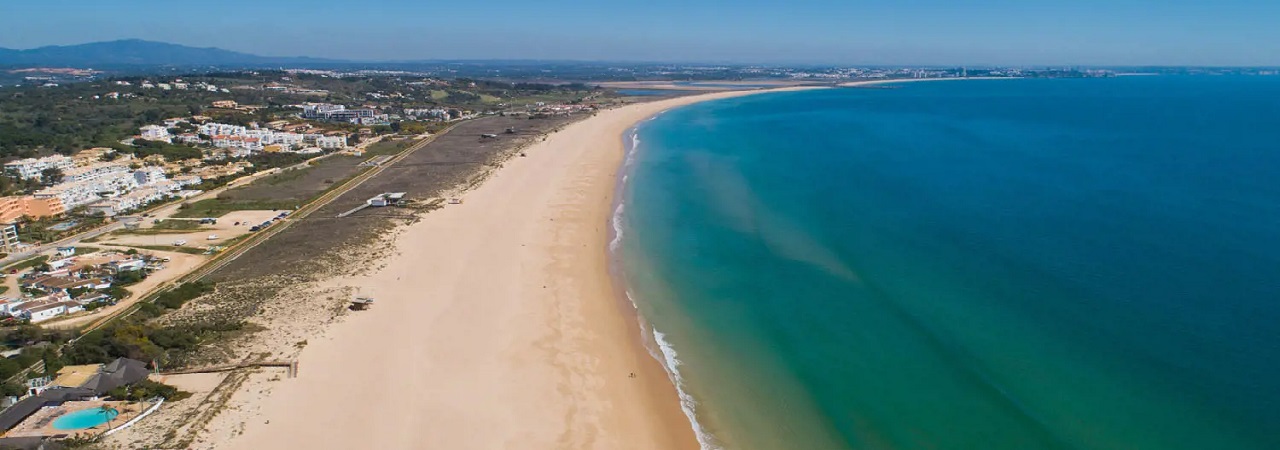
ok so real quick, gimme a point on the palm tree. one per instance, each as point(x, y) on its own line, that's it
point(110, 411)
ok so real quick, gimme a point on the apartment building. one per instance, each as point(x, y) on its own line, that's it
point(32, 167)
point(14, 207)
point(154, 133)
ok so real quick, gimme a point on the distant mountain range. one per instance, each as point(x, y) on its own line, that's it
point(136, 52)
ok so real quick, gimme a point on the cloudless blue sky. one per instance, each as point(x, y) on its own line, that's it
point(976, 32)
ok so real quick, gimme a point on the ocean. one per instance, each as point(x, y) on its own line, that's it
point(1008, 264)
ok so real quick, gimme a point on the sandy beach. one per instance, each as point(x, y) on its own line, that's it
point(496, 325)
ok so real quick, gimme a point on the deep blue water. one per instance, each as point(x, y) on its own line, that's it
point(1009, 264)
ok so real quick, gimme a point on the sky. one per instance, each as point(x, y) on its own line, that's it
point(905, 32)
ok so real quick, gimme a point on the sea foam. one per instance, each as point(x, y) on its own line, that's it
point(664, 353)
point(671, 362)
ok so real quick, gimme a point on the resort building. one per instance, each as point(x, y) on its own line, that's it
point(14, 207)
point(331, 142)
point(54, 394)
point(154, 133)
point(31, 168)
point(148, 176)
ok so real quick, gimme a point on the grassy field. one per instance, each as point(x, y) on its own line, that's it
point(85, 250)
point(388, 147)
point(218, 207)
point(27, 263)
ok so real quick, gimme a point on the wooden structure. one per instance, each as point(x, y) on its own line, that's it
point(361, 303)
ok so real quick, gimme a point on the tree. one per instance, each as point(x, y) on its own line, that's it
point(11, 389)
point(26, 334)
point(51, 176)
point(110, 411)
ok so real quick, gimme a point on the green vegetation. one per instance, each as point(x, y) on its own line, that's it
point(388, 147)
point(147, 389)
point(174, 298)
point(27, 263)
point(42, 230)
point(218, 207)
point(128, 277)
point(116, 292)
point(85, 250)
point(39, 344)
point(165, 227)
point(136, 337)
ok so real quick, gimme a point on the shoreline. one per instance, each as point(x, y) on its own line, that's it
point(491, 327)
point(916, 80)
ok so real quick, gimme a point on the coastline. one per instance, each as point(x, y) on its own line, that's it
point(492, 327)
point(916, 80)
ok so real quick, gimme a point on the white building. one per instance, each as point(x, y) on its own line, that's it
point(128, 202)
point(9, 306)
point(320, 110)
point(45, 312)
point(154, 133)
point(32, 167)
point(148, 176)
point(331, 142)
point(94, 171)
point(84, 185)
point(214, 129)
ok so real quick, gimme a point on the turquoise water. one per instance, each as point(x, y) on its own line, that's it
point(1013, 264)
point(85, 418)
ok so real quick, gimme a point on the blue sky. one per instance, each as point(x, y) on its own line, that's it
point(975, 32)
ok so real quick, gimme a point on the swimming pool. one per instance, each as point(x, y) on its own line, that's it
point(85, 418)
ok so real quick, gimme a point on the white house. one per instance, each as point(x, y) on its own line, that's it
point(10, 306)
point(72, 307)
point(126, 265)
point(56, 264)
point(45, 312)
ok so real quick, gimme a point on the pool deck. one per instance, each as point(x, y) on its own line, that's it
point(41, 423)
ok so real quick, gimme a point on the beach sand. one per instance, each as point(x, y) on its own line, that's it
point(496, 325)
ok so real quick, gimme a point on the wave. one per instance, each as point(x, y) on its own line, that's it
point(631, 150)
point(617, 228)
point(671, 362)
point(662, 351)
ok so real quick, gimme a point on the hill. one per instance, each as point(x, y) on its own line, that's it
point(137, 52)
